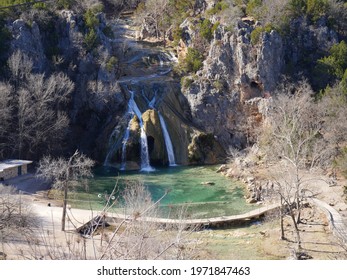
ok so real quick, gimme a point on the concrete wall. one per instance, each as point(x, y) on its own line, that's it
point(24, 169)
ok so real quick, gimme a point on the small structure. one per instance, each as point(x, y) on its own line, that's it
point(12, 168)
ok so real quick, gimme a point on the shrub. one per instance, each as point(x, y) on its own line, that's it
point(177, 34)
point(336, 63)
point(255, 34)
point(193, 61)
point(214, 27)
point(218, 85)
point(40, 6)
point(91, 40)
point(258, 31)
point(205, 29)
point(90, 19)
point(339, 54)
point(186, 82)
point(65, 4)
point(220, 6)
point(297, 7)
point(252, 6)
point(111, 63)
point(316, 9)
point(344, 83)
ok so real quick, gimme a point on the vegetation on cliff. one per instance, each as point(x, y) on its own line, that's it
point(72, 40)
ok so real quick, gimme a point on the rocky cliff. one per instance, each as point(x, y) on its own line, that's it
point(221, 105)
point(234, 72)
point(228, 95)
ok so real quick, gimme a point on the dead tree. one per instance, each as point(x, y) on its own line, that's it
point(294, 137)
point(63, 173)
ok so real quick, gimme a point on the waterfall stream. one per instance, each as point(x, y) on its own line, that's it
point(145, 66)
point(134, 109)
point(168, 143)
point(124, 146)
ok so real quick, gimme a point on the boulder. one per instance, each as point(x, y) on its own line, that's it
point(204, 149)
point(222, 168)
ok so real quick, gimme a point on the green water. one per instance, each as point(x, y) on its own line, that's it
point(185, 185)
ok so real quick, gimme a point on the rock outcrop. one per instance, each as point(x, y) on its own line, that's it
point(234, 72)
point(204, 149)
point(28, 40)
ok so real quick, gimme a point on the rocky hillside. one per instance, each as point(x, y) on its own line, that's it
point(214, 64)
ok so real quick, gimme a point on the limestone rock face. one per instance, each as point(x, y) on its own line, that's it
point(148, 29)
point(227, 96)
point(234, 72)
point(188, 33)
point(309, 42)
point(28, 39)
point(204, 149)
point(176, 113)
point(70, 41)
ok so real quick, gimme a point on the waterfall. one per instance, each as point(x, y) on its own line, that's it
point(151, 104)
point(134, 109)
point(168, 143)
point(145, 165)
point(124, 146)
point(161, 62)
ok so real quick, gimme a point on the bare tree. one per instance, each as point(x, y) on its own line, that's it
point(36, 105)
point(21, 65)
point(17, 220)
point(334, 106)
point(6, 108)
point(63, 173)
point(135, 235)
point(156, 13)
point(140, 236)
point(273, 12)
point(40, 119)
point(293, 137)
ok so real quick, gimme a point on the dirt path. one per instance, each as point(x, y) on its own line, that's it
point(336, 221)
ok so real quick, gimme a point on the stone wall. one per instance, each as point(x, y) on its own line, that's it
point(12, 172)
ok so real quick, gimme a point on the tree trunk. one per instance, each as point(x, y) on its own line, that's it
point(64, 208)
point(66, 188)
point(298, 204)
point(281, 219)
point(298, 217)
point(298, 238)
